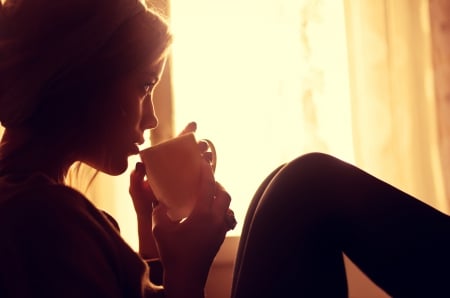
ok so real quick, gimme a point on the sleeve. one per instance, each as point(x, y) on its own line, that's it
point(112, 220)
point(156, 271)
point(52, 248)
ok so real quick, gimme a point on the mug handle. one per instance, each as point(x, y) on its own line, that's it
point(230, 219)
point(213, 153)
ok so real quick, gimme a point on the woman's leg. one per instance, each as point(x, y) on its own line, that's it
point(317, 207)
point(280, 249)
point(247, 223)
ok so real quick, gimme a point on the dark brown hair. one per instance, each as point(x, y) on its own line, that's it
point(141, 40)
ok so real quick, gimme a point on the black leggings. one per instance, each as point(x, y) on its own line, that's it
point(309, 212)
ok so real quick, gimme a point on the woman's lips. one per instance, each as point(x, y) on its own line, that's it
point(134, 149)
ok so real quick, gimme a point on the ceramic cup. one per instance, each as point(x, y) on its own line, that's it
point(173, 170)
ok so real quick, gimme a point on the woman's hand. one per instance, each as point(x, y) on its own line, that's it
point(203, 146)
point(143, 200)
point(141, 193)
point(187, 248)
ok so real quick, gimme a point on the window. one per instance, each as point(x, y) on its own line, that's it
point(265, 80)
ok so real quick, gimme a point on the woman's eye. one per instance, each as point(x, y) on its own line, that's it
point(148, 86)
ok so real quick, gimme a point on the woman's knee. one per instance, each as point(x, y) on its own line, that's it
point(315, 161)
point(299, 196)
point(309, 179)
point(316, 168)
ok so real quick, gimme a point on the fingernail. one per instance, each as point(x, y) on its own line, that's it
point(230, 220)
point(192, 125)
point(140, 167)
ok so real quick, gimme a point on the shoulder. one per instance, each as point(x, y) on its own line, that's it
point(40, 210)
point(42, 201)
point(36, 189)
point(55, 230)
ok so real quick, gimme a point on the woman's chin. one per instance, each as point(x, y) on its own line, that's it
point(116, 169)
point(113, 165)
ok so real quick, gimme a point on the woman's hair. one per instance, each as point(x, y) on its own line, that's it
point(56, 56)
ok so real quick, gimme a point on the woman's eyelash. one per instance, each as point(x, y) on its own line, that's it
point(148, 86)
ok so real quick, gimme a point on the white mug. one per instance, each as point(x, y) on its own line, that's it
point(173, 169)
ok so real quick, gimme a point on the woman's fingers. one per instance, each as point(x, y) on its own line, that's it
point(137, 178)
point(214, 200)
point(203, 146)
point(190, 127)
point(208, 156)
point(140, 191)
point(230, 219)
point(221, 202)
point(139, 187)
point(221, 208)
point(206, 190)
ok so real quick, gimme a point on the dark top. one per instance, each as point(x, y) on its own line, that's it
point(55, 243)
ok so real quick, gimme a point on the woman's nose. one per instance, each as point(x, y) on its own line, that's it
point(149, 119)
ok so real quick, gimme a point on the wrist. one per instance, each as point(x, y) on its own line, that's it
point(175, 290)
point(144, 217)
point(147, 244)
point(177, 284)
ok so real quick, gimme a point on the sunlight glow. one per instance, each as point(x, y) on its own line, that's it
point(265, 80)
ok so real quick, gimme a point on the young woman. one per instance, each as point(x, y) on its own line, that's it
point(76, 85)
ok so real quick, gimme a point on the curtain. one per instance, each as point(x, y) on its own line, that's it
point(394, 108)
point(440, 26)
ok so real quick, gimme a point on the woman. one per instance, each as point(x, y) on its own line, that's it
point(76, 86)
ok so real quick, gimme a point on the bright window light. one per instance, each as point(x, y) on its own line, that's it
point(265, 80)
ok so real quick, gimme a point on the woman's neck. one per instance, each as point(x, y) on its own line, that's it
point(22, 155)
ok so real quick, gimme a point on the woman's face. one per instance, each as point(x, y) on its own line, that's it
point(121, 122)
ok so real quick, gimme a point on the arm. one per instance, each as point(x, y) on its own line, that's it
point(178, 280)
point(187, 248)
point(143, 199)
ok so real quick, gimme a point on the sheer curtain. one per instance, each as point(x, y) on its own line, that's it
point(394, 111)
point(440, 20)
point(397, 117)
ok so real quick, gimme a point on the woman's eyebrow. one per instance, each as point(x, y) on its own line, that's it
point(151, 74)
